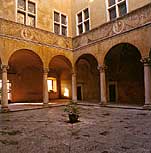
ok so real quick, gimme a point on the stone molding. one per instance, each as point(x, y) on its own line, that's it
point(27, 33)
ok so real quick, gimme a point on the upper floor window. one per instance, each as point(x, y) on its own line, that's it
point(26, 12)
point(116, 8)
point(83, 21)
point(60, 23)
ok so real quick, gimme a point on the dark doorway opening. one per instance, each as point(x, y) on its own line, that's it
point(79, 93)
point(112, 93)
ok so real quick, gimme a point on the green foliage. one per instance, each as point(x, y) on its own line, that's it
point(72, 108)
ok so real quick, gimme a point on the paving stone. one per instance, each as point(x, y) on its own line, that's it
point(100, 130)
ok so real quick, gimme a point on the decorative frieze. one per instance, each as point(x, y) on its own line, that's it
point(133, 20)
point(22, 32)
point(26, 34)
point(118, 26)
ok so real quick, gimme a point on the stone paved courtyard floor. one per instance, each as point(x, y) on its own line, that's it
point(100, 130)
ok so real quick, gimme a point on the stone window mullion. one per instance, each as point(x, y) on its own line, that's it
point(116, 6)
point(83, 27)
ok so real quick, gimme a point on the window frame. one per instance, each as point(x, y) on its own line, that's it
point(60, 22)
point(116, 5)
point(54, 81)
point(83, 21)
point(27, 13)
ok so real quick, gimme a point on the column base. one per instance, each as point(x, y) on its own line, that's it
point(147, 106)
point(45, 105)
point(74, 100)
point(102, 103)
point(5, 109)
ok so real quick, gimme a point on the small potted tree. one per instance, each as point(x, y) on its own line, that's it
point(73, 112)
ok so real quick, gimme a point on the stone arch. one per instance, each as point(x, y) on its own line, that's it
point(60, 72)
point(25, 74)
point(87, 53)
point(124, 75)
point(67, 57)
point(109, 46)
point(25, 49)
point(87, 78)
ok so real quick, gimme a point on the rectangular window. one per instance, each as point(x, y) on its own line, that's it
point(112, 13)
point(63, 19)
point(52, 84)
point(21, 17)
point(57, 28)
point(116, 8)
point(111, 2)
point(60, 23)
point(31, 7)
point(26, 12)
point(21, 4)
point(83, 21)
point(122, 9)
point(56, 17)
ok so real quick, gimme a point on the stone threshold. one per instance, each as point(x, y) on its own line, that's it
point(25, 107)
point(114, 106)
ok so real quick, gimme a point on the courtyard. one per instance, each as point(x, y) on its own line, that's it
point(99, 130)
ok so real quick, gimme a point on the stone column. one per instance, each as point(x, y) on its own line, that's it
point(103, 98)
point(45, 87)
point(4, 97)
point(74, 87)
point(147, 81)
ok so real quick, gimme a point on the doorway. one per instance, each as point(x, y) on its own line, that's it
point(112, 92)
point(79, 92)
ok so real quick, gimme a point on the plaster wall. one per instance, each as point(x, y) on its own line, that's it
point(98, 11)
point(45, 9)
point(27, 86)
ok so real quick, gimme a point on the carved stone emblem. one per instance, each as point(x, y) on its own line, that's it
point(118, 26)
point(26, 34)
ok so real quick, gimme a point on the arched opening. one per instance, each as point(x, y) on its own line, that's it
point(125, 75)
point(60, 78)
point(87, 78)
point(25, 76)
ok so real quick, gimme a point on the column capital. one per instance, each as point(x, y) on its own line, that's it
point(4, 67)
point(74, 74)
point(74, 71)
point(102, 68)
point(45, 70)
point(146, 60)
